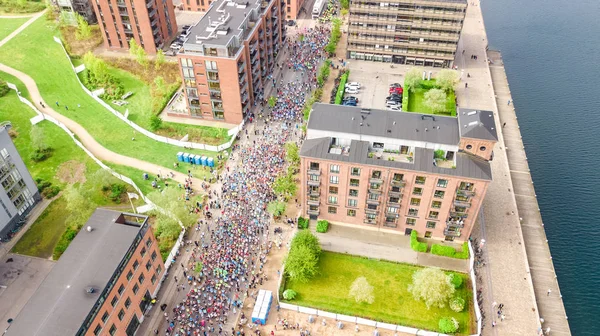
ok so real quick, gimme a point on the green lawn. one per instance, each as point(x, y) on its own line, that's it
point(21, 6)
point(393, 303)
point(30, 52)
point(416, 100)
point(7, 26)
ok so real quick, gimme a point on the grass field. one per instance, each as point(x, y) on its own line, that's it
point(7, 26)
point(393, 303)
point(416, 100)
point(29, 52)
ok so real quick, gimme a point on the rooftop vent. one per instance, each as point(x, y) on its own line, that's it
point(90, 290)
point(89, 229)
point(365, 111)
point(473, 123)
point(423, 117)
point(472, 113)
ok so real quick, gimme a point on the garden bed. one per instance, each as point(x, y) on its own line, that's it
point(393, 303)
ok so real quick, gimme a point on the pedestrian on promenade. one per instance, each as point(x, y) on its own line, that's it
point(503, 125)
point(509, 102)
point(466, 85)
point(549, 291)
point(493, 324)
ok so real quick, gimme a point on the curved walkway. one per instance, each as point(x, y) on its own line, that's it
point(88, 141)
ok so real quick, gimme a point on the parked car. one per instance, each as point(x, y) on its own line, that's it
point(186, 27)
point(353, 85)
point(397, 90)
point(176, 46)
point(349, 103)
point(351, 90)
point(394, 108)
point(395, 97)
point(351, 98)
point(395, 85)
point(392, 103)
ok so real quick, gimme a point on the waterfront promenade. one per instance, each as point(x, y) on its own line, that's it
point(550, 305)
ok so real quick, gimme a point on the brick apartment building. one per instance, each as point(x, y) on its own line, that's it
point(397, 171)
point(292, 8)
point(101, 285)
point(227, 56)
point(417, 32)
point(151, 23)
point(81, 7)
point(196, 5)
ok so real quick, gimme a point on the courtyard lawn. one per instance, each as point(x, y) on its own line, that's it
point(393, 303)
point(416, 100)
point(8, 26)
point(30, 52)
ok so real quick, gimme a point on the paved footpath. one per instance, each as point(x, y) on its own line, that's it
point(550, 305)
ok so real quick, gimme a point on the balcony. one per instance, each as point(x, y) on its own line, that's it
point(393, 193)
point(390, 224)
point(394, 204)
point(370, 221)
point(313, 202)
point(371, 211)
point(372, 201)
point(376, 180)
point(375, 190)
point(452, 233)
point(314, 183)
point(241, 67)
point(458, 214)
point(121, 4)
point(462, 204)
point(455, 224)
point(398, 183)
point(313, 192)
point(149, 4)
point(314, 171)
point(242, 78)
point(313, 212)
point(465, 192)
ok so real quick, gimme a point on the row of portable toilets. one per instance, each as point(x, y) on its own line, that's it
point(200, 160)
point(262, 306)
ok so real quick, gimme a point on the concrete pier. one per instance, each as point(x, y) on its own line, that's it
point(550, 305)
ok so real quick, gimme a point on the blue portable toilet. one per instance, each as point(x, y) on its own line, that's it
point(203, 160)
point(210, 162)
point(180, 156)
point(186, 157)
point(198, 159)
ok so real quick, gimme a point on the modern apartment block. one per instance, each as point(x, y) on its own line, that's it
point(81, 7)
point(19, 193)
point(397, 171)
point(227, 57)
point(151, 23)
point(102, 284)
point(417, 32)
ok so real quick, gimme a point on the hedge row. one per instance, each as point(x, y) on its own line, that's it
point(341, 88)
point(324, 73)
point(449, 251)
point(303, 223)
point(415, 244)
point(322, 226)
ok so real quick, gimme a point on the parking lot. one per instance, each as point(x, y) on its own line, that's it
point(375, 79)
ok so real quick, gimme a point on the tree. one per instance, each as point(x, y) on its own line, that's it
point(3, 88)
point(160, 59)
point(285, 186)
point(301, 263)
point(413, 78)
point(447, 79)
point(291, 153)
point(289, 294)
point(78, 205)
point(38, 138)
point(361, 291)
point(435, 99)
point(276, 208)
point(272, 101)
point(101, 178)
point(432, 286)
point(155, 122)
point(448, 325)
point(457, 304)
point(139, 53)
point(169, 199)
point(308, 239)
point(83, 28)
point(133, 47)
point(345, 4)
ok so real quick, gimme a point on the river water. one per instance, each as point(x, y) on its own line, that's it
point(551, 52)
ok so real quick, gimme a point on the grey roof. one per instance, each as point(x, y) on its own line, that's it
point(390, 124)
point(477, 124)
point(61, 303)
point(231, 14)
point(467, 165)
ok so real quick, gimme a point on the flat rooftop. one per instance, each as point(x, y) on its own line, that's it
point(63, 301)
point(222, 21)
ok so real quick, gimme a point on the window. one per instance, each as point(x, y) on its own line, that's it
point(352, 203)
point(439, 194)
point(104, 317)
point(411, 221)
point(332, 210)
point(333, 190)
point(353, 192)
point(313, 177)
point(394, 200)
point(482, 148)
point(149, 242)
point(135, 264)
point(158, 269)
point(314, 166)
point(334, 169)
point(469, 146)
point(148, 265)
point(332, 200)
point(418, 191)
point(398, 177)
point(143, 251)
point(354, 182)
point(334, 179)
point(153, 279)
point(351, 213)
point(391, 210)
point(373, 196)
point(127, 303)
point(153, 256)
point(427, 234)
point(121, 289)
point(420, 180)
point(431, 225)
point(97, 330)
point(211, 65)
point(415, 201)
point(355, 171)
point(441, 183)
point(433, 214)
point(141, 278)
point(436, 204)
point(114, 301)
point(371, 218)
point(376, 174)
point(121, 314)
point(113, 330)
point(375, 186)
point(413, 212)
point(136, 288)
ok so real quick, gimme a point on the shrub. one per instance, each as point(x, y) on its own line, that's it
point(439, 154)
point(448, 325)
point(64, 241)
point(289, 294)
point(155, 123)
point(415, 244)
point(339, 96)
point(3, 88)
point(449, 251)
point(50, 191)
point(40, 155)
point(303, 223)
point(116, 190)
point(41, 184)
point(456, 280)
point(322, 226)
point(457, 304)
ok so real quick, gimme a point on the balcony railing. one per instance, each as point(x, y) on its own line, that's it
point(313, 202)
point(398, 183)
point(394, 204)
point(371, 211)
point(458, 214)
point(370, 221)
point(395, 193)
point(465, 192)
point(462, 204)
point(241, 67)
point(312, 192)
point(376, 180)
point(390, 224)
point(372, 201)
point(313, 212)
point(455, 224)
point(314, 183)
point(314, 171)
point(452, 233)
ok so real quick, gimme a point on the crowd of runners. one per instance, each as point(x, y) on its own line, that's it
point(226, 263)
